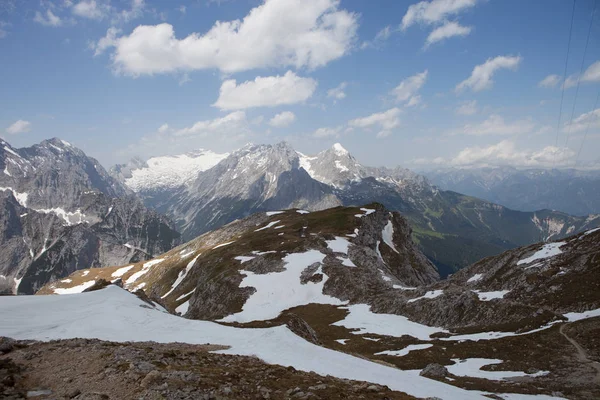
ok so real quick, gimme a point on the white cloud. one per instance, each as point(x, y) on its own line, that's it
point(591, 74)
point(338, 91)
point(495, 125)
point(267, 91)
point(448, 30)
point(278, 33)
point(89, 9)
point(481, 77)
point(182, 9)
point(328, 132)
point(504, 153)
point(282, 119)
point(20, 126)
point(550, 81)
point(107, 41)
point(136, 11)
point(229, 124)
point(383, 121)
point(3, 32)
point(163, 128)
point(434, 11)
point(406, 91)
point(581, 123)
point(467, 108)
point(49, 19)
point(223, 134)
point(381, 36)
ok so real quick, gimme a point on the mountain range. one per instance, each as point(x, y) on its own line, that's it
point(454, 230)
point(61, 211)
point(571, 191)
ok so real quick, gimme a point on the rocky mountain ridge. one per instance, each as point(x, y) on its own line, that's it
point(61, 211)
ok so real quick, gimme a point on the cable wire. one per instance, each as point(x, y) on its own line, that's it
point(579, 76)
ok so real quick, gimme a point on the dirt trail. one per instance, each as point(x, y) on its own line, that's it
point(581, 353)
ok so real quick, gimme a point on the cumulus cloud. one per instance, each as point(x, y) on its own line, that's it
point(446, 31)
point(47, 19)
point(504, 153)
point(328, 132)
point(434, 11)
point(591, 75)
point(581, 123)
point(384, 122)
point(278, 33)
point(550, 81)
point(495, 125)
point(282, 119)
point(467, 108)
point(107, 41)
point(267, 91)
point(222, 133)
point(90, 9)
point(19, 126)
point(407, 90)
point(381, 36)
point(481, 77)
point(338, 91)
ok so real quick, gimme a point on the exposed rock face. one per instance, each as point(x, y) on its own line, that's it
point(60, 211)
point(252, 179)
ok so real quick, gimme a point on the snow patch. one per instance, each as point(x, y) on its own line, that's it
point(270, 213)
point(278, 291)
point(302, 212)
point(121, 271)
point(472, 367)
point(20, 197)
point(404, 351)
point(341, 341)
point(487, 296)
point(270, 224)
point(547, 251)
point(362, 318)
point(145, 268)
point(573, 316)
point(475, 278)
point(172, 171)
point(388, 234)
point(244, 259)
point(338, 245)
point(75, 289)
point(182, 274)
point(432, 294)
point(223, 244)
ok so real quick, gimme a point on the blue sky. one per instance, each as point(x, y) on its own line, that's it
point(418, 84)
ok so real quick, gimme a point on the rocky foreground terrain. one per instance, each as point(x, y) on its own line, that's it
point(85, 369)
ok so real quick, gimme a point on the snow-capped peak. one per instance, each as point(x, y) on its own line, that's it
point(339, 149)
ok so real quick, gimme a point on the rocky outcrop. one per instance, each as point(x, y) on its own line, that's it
point(60, 211)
